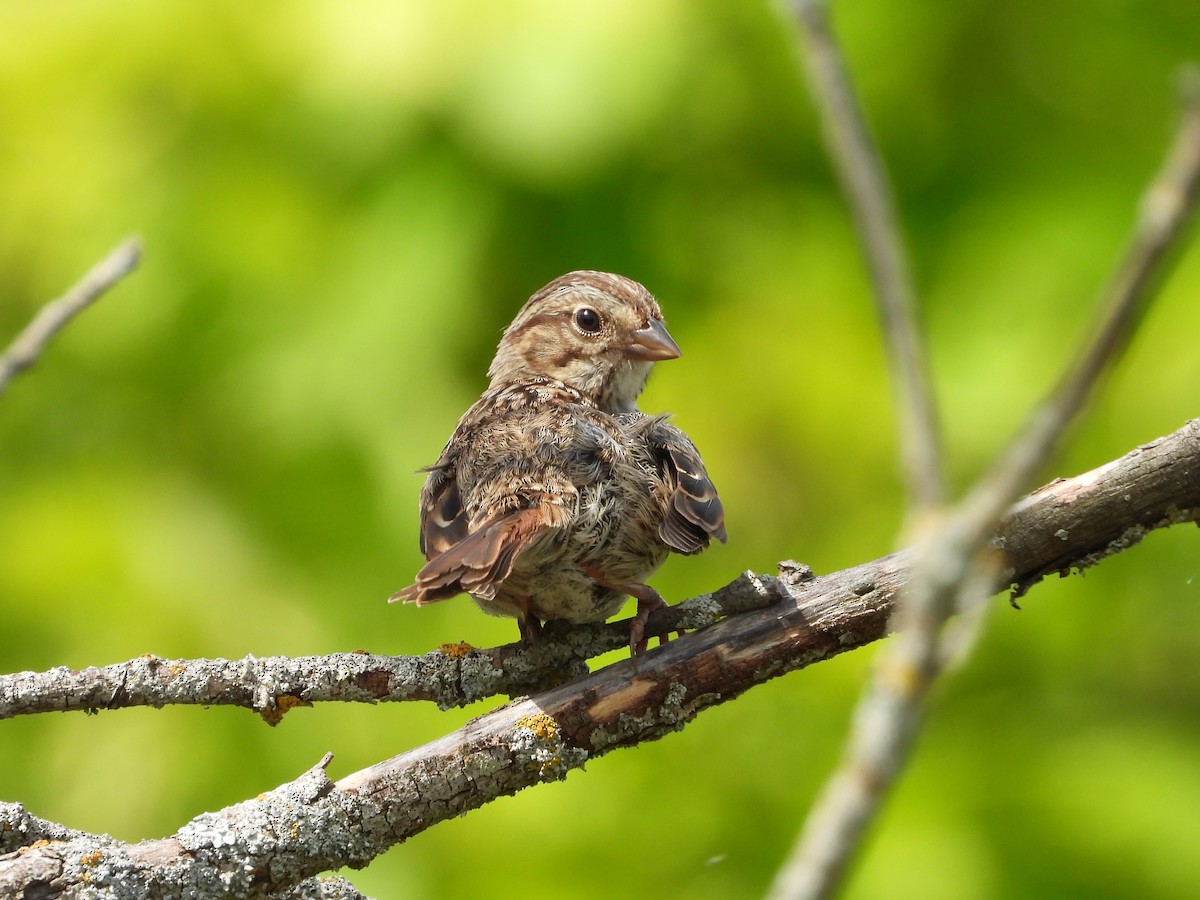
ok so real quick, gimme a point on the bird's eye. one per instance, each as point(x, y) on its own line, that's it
point(587, 320)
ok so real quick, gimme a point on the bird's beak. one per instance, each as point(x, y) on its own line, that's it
point(652, 342)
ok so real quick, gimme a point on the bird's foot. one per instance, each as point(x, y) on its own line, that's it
point(648, 600)
point(531, 629)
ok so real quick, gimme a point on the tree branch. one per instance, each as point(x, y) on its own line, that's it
point(27, 347)
point(949, 572)
point(865, 184)
point(46, 867)
point(451, 676)
point(262, 846)
point(1166, 208)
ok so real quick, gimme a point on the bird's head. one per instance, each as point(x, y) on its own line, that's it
point(595, 332)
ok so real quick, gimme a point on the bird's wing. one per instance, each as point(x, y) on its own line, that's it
point(443, 519)
point(478, 563)
point(694, 515)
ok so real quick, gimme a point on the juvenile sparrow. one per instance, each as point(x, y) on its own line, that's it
point(555, 498)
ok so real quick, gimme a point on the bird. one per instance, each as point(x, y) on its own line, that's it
point(555, 497)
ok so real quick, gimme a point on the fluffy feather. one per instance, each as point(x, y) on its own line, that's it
point(555, 498)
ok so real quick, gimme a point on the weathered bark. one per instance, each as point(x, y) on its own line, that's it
point(453, 675)
point(265, 846)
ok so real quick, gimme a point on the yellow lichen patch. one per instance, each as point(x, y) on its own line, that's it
point(90, 859)
point(36, 845)
point(176, 669)
point(150, 657)
point(542, 726)
point(454, 651)
point(538, 745)
point(283, 703)
point(294, 831)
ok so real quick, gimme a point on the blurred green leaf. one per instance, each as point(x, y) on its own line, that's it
point(343, 205)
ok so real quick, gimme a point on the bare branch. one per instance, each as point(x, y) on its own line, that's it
point(453, 675)
point(27, 347)
point(865, 185)
point(948, 564)
point(262, 846)
point(49, 868)
point(1165, 210)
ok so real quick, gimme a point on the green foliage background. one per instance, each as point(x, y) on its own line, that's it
point(343, 204)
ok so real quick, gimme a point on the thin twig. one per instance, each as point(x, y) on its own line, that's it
point(948, 564)
point(1165, 209)
point(453, 675)
point(27, 347)
point(865, 185)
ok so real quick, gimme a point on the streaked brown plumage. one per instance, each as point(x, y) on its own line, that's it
point(555, 498)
